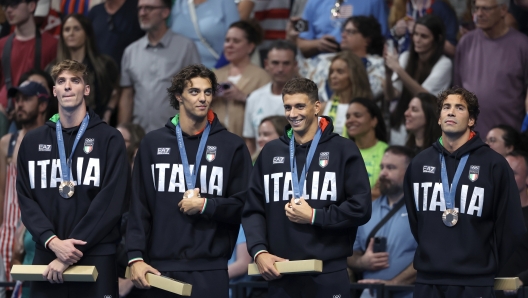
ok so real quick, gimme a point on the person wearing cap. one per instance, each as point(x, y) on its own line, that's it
point(31, 103)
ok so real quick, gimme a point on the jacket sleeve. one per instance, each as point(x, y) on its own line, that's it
point(357, 208)
point(106, 208)
point(254, 213)
point(509, 221)
point(32, 215)
point(140, 217)
point(408, 196)
point(229, 209)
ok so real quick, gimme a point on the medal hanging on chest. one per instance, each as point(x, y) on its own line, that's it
point(67, 187)
point(450, 215)
point(298, 182)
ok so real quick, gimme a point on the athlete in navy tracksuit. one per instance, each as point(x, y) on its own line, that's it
point(460, 255)
point(188, 239)
point(82, 229)
point(335, 201)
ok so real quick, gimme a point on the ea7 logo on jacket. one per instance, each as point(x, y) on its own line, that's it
point(324, 158)
point(43, 147)
point(164, 151)
point(429, 169)
point(91, 176)
point(177, 178)
point(278, 159)
point(328, 189)
point(434, 201)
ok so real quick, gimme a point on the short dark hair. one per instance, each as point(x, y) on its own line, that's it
point(278, 122)
point(283, 45)
point(469, 97)
point(301, 86)
point(401, 150)
point(370, 28)
point(511, 136)
point(252, 30)
point(520, 153)
point(182, 78)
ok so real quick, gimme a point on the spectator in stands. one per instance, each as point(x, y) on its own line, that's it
point(25, 42)
point(365, 125)
point(421, 122)
point(404, 14)
point(148, 65)
point(237, 265)
point(273, 16)
point(205, 22)
point(266, 101)
point(326, 18)
point(132, 134)
point(393, 265)
point(270, 128)
point(115, 23)
point(23, 253)
point(503, 139)
point(492, 62)
point(519, 11)
point(423, 68)
point(77, 42)
point(240, 77)
point(45, 79)
point(347, 79)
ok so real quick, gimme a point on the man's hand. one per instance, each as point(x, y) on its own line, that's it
point(301, 214)
point(53, 272)
point(265, 263)
point(65, 250)
point(291, 33)
point(138, 272)
point(327, 44)
point(125, 286)
point(375, 281)
point(191, 202)
point(374, 261)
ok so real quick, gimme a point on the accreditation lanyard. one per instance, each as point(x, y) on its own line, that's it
point(449, 194)
point(298, 183)
point(190, 178)
point(65, 164)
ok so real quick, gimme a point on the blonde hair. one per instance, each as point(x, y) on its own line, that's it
point(71, 66)
point(357, 74)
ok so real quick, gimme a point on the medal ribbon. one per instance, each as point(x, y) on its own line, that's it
point(298, 184)
point(449, 194)
point(190, 178)
point(65, 164)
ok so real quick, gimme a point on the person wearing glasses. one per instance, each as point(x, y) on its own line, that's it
point(148, 65)
point(493, 61)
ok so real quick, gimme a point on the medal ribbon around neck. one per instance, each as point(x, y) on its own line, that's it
point(298, 183)
point(65, 164)
point(449, 194)
point(190, 178)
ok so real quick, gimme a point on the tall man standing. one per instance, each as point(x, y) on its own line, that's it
point(314, 212)
point(189, 185)
point(463, 205)
point(71, 197)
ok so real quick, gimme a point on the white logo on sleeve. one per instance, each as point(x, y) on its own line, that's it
point(44, 147)
point(429, 169)
point(164, 151)
point(278, 159)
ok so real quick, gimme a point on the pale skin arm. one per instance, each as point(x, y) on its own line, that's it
point(240, 266)
point(368, 260)
point(392, 62)
point(245, 7)
point(4, 144)
point(310, 48)
point(406, 277)
point(250, 143)
point(126, 105)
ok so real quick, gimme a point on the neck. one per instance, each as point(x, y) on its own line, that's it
point(26, 31)
point(344, 95)
point(361, 53)
point(78, 54)
point(308, 135)
point(276, 88)
point(71, 118)
point(366, 141)
point(524, 198)
point(191, 125)
point(112, 6)
point(497, 31)
point(419, 138)
point(454, 141)
point(424, 57)
point(241, 64)
point(393, 199)
point(156, 34)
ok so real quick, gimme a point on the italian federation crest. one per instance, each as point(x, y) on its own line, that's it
point(474, 173)
point(210, 154)
point(88, 145)
point(324, 158)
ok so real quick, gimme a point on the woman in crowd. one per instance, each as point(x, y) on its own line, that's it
point(423, 68)
point(347, 80)
point(240, 77)
point(270, 128)
point(77, 42)
point(365, 125)
point(205, 22)
point(421, 122)
point(504, 139)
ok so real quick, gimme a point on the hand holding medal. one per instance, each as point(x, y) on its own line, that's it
point(191, 203)
point(300, 213)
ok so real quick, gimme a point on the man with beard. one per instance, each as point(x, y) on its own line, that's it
point(384, 249)
point(31, 103)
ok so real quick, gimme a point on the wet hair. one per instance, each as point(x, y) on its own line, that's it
point(511, 137)
point(278, 122)
point(357, 74)
point(370, 28)
point(375, 112)
point(401, 150)
point(432, 130)
point(301, 86)
point(182, 78)
point(71, 66)
point(469, 97)
point(252, 30)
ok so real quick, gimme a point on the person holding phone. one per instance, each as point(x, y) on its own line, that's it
point(384, 247)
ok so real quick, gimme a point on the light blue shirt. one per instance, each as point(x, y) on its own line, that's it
point(213, 17)
point(401, 245)
point(321, 22)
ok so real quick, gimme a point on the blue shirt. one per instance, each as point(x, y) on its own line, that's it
point(401, 245)
point(213, 17)
point(321, 22)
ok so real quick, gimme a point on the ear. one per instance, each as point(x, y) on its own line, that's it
point(54, 92)
point(86, 90)
point(178, 98)
point(32, 6)
point(471, 122)
point(374, 121)
point(266, 64)
point(252, 47)
point(439, 121)
point(165, 13)
point(317, 107)
point(43, 105)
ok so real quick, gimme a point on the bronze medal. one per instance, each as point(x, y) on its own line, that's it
point(297, 201)
point(450, 217)
point(66, 189)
